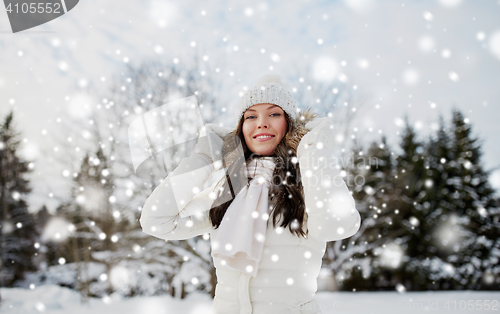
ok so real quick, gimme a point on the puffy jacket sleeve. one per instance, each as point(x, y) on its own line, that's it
point(177, 210)
point(331, 210)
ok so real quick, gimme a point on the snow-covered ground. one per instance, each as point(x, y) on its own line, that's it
point(54, 299)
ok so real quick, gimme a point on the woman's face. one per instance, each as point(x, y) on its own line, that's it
point(264, 126)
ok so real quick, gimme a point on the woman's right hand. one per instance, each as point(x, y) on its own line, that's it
point(167, 213)
point(211, 144)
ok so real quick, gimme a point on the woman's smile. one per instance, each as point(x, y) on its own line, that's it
point(262, 137)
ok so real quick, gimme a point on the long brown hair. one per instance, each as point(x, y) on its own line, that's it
point(286, 194)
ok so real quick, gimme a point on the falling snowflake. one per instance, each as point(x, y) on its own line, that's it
point(400, 288)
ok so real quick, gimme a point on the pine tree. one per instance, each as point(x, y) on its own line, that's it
point(417, 216)
point(49, 256)
point(367, 269)
point(454, 241)
point(378, 189)
point(18, 234)
point(91, 212)
point(473, 249)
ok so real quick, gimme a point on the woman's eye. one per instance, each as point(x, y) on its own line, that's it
point(272, 114)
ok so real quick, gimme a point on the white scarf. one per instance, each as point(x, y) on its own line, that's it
point(242, 231)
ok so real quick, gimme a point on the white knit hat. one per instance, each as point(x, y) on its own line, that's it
point(269, 89)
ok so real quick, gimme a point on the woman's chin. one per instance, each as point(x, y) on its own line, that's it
point(264, 153)
point(264, 150)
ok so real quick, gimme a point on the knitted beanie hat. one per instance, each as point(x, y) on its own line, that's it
point(269, 89)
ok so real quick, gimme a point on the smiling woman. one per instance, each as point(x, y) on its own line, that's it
point(267, 249)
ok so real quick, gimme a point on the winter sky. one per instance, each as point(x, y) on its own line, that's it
point(415, 58)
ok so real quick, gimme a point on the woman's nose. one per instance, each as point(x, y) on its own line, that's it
point(262, 123)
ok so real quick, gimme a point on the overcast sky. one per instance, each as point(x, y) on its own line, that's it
point(415, 58)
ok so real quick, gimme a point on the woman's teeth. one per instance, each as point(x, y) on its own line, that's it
point(263, 136)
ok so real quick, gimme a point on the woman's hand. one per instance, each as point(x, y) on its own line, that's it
point(331, 209)
point(320, 131)
point(211, 144)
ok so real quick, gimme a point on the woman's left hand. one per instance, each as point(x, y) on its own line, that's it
point(320, 134)
point(332, 213)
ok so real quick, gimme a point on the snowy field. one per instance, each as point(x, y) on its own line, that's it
point(55, 299)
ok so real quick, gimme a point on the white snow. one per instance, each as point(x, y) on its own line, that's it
point(325, 68)
point(57, 229)
point(411, 76)
point(426, 43)
point(494, 43)
point(58, 300)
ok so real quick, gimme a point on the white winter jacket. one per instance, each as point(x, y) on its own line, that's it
point(286, 280)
